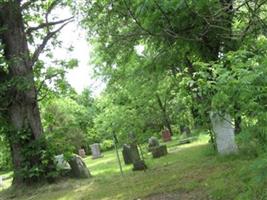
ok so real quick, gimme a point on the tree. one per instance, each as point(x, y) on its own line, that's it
point(181, 34)
point(21, 109)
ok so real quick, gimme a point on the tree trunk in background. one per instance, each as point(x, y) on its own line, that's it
point(238, 121)
point(23, 112)
point(165, 117)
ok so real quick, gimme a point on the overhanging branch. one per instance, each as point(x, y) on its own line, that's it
point(41, 47)
point(47, 24)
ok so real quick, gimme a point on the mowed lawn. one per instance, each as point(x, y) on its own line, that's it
point(190, 171)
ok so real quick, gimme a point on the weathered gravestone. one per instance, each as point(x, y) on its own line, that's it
point(159, 151)
point(61, 163)
point(224, 133)
point(138, 164)
point(126, 153)
point(95, 149)
point(152, 142)
point(156, 149)
point(78, 167)
point(82, 153)
point(166, 135)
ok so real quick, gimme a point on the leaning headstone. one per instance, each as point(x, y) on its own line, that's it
point(138, 164)
point(166, 135)
point(61, 163)
point(82, 153)
point(224, 133)
point(78, 167)
point(126, 153)
point(152, 142)
point(159, 151)
point(95, 149)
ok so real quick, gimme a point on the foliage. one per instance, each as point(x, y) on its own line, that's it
point(107, 145)
point(64, 122)
point(5, 157)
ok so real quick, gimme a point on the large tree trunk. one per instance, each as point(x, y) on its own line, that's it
point(23, 112)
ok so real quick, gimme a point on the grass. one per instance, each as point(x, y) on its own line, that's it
point(190, 171)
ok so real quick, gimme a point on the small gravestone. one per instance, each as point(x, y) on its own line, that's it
point(126, 153)
point(224, 133)
point(152, 142)
point(138, 164)
point(166, 135)
point(95, 149)
point(82, 153)
point(159, 151)
point(156, 149)
point(78, 167)
point(61, 163)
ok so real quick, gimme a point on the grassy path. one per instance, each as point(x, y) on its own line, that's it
point(190, 171)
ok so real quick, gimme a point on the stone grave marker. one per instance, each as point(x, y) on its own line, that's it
point(95, 149)
point(61, 163)
point(78, 167)
point(138, 163)
point(159, 151)
point(224, 133)
point(82, 153)
point(156, 149)
point(166, 135)
point(126, 153)
point(152, 142)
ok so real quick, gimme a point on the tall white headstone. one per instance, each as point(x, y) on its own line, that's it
point(224, 133)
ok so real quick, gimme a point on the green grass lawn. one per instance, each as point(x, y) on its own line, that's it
point(190, 171)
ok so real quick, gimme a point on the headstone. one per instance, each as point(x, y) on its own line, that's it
point(126, 153)
point(78, 167)
point(166, 135)
point(82, 153)
point(138, 164)
point(159, 151)
point(224, 133)
point(152, 142)
point(95, 149)
point(61, 163)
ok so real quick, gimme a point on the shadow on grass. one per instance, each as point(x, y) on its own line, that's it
point(193, 169)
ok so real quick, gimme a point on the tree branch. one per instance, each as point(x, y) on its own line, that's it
point(135, 19)
point(47, 78)
point(47, 24)
point(27, 4)
point(41, 47)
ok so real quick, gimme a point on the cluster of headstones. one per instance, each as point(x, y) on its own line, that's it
point(155, 148)
point(131, 154)
point(76, 166)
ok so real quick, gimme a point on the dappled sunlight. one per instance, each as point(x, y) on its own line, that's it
point(191, 168)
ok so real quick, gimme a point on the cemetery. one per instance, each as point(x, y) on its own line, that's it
point(133, 100)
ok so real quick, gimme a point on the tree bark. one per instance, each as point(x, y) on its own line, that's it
point(22, 111)
point(165, 117)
